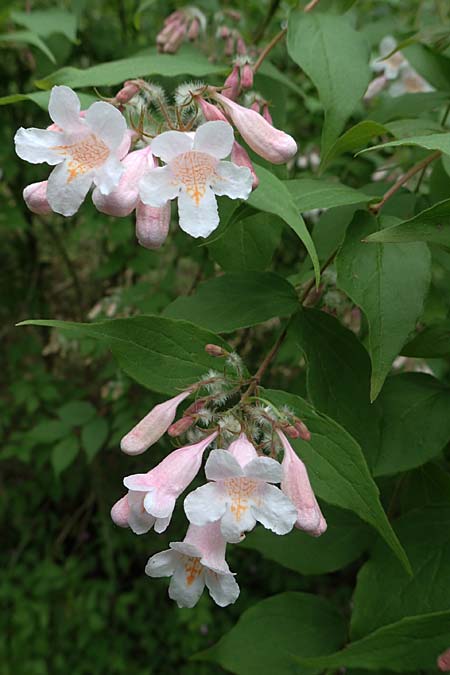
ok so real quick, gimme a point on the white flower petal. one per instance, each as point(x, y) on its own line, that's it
point(158, 186)
point(137, 482)
point(275, 511)
point(233, 181)
point(38, 145)
point(170, 144)
point(215, 138)
point(162, 564)
point(161, 524)
point(140, 522)
point(186, 549)
point(159, 504)
point(64, 193)
point(185, 588)
point(221, 465)
point(234, 524)
point(264, 468)
point(205, 504)
point(107, 123)
point(64, 109)
point(223, 588)
point(107, 177)
point(198, 220)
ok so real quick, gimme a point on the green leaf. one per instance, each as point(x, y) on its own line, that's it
point(28, 38)
point(247, 244)
point(46, 22)
point(162, 354)
point(64, 453)
point(433, 342)
point(269, 633)
point(188, 61)
point(344, 541)
point(354, 139)
point(49, 431)
point(416, 423)
point(384, 594)
point(338, 376)
point(236, 301)
point(389, 283)
point(409, 105)
point(309, 193)
point(93, 436)
point(336, 58)
point(406, 645)
point(429, 142)
point(272, 196)
point(76, 413)
point(434, 68)
point(337, 468)
point(431, 225)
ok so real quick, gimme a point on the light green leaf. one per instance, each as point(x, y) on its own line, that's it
point(162, 354)
point(416, 422)
point(337, 468)
point(429, 142)
point(269, 633)
point(26, 37)
point(187, 61)
point(76, 413)
point(93, 436)
point(46, 22)
point(344, 541)
point(64, 453)
point(354, 139)
point(409, 105)
point(384, 594)
point(433, 342)
point(234, 301)
point(272, 196)
point(434, 67)
point(390, 284)
point(41, 98)
point(310, 193)
point(406, 645)
point(336, 58)
point(431, 225)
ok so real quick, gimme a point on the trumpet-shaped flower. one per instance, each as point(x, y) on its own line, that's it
point(194, 173)
point(241, 493)
point(84, 149)
point(197, 561)
point(295, 484)
point(151, 496)
point(152, 426)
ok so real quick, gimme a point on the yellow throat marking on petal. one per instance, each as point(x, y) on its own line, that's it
point(194, 171)
point(193, 569)
point(84, 155)
point(240, 490)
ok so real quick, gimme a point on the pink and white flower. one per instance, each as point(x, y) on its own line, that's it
point(197, 561)
point(35, 197)
point(84, 149)
point(241, 493)
point(194, 173)
point(151, 496)
point(153, 426)
point(295, 484)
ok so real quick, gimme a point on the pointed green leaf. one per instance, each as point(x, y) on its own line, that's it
point(431, 225)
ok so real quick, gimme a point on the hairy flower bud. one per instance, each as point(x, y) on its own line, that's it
point(240, 156)
point(180, 426)
point(152, 224)
point(291, 431)
point(231, 84)
point(127, 92)
point(246, 76)
point(303, 431)
point(35, 197)
point(211, 112)
point(215, 350)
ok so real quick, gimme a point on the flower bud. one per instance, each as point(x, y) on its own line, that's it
point(215, 350)
point(224, 32)
point(443, 661)
point(194, 30)
point(246, 76)
point(195, 407)
point(229, 46)
point(152, 224)
point(274, 145)
point(176, 38)
point(180, 426)
point(266, 114)
point(240, 156)
point(211, 113)
point(291, 431)
point(231, 84)
point(35, 197)
point(127, 92)
point(255, 106)
point(303, 431)
point(241, 49)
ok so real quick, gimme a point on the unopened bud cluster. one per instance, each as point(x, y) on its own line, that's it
point(249, 457)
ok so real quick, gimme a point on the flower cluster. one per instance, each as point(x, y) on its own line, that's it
point(245, 437)
point(141, 167)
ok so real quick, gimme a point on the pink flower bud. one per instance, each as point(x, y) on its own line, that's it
point(195, 407)
point(124, 198)
point(120, 512)
point(274, 145)
point(291, 431)
point(303, 430)
point(266, 114)
point(241, 49)
point(152, 224)
point(215, 350)
point(229, 46)
point(211, 112)
point(255, 106)
point(194, 30)
point(35, 197)
point(295, 485)
point(180, 426)
point(127, 92)
point(176, 38)
point(443, 661)
point(152, 426)
point(246, 76)
point(231, 84)
point(224, 32)
point(240, 156)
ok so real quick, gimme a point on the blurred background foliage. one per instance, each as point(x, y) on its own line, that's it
point(73, 593)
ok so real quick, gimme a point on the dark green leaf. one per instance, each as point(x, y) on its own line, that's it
point(431, 343)
point(46, 22)
point(354, 139)
point(26, 37)
point(49, 431)
point(76, 413)
point(309, 193)
point(431, 225)
point(93, 435)
point(64, 453)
